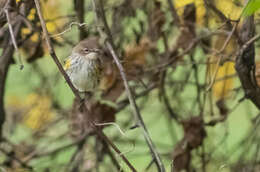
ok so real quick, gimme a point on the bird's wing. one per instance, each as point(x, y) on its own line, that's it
point(71, 62)
point(67, 64)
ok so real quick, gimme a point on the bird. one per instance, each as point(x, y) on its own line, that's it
point(84, 66)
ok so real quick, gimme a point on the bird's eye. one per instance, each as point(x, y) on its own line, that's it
point(86, 50)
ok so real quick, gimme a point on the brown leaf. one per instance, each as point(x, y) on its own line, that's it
point(115, 91)
point(156, 22)
point(33, 50)
point(223, 110)
point(257, 73)
point(109, 76)
point(80, 121)
point(194, 131)
point(181, 156)
point(135, 57)
point(188, 28)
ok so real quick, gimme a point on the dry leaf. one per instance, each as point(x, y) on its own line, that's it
point(80, 121)
point(181, 156)
point(257, 73)
point(135, 57)
point(156, 22)
point(194, 131)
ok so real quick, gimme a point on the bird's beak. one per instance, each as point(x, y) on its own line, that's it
point(92, 55)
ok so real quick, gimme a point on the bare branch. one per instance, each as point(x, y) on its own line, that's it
point(245, 61)
point(173, 12)
point(100, 17)
point(79, 6)
point(55, 58)
point(12, 156)
point(52, 52)
point(12, 33)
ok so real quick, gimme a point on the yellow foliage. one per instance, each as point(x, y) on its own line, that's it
point(37, 109)
point(35, 37)
point(227, 7)
point(199, 5)
point(181, 3)
point(32, 14)
point(230, 10)
point(39, 113)
point(15, 102)
point(51, 10)
point(25, 31)
point(222, 86)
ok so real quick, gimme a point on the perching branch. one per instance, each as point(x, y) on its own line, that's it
point(52, 52)
point(56, 60)
point(5, 61)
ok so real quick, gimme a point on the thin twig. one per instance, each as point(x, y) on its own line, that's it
point(121, 132)
point(253, 39)
point(136, 112)
point(12, 35)
point(221, 57)
point(79, 6)
point(55, 58)
point(100, 15)
point(114, 124)
point(52, 52)
point(23, 164)
point(69, 28)
point(173, 12)
point(112, 157)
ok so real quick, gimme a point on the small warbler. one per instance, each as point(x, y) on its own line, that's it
point(84, 66)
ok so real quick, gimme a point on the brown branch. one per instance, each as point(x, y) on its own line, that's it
point(221, 57)
point(112, 157)
point(136, 111)
point(245, 61)
point(52, 52)
point(13, 157)
point(123, 103)
point(174, 13)
point(55, 59)
point(79, 6)
point(100, 17)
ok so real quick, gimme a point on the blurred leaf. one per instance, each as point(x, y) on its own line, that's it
point(135, 56)
point(157, 20)
point(251, 7)
point(39, 111)
point(79, 120)
point(199, 5)
point(223, 83)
